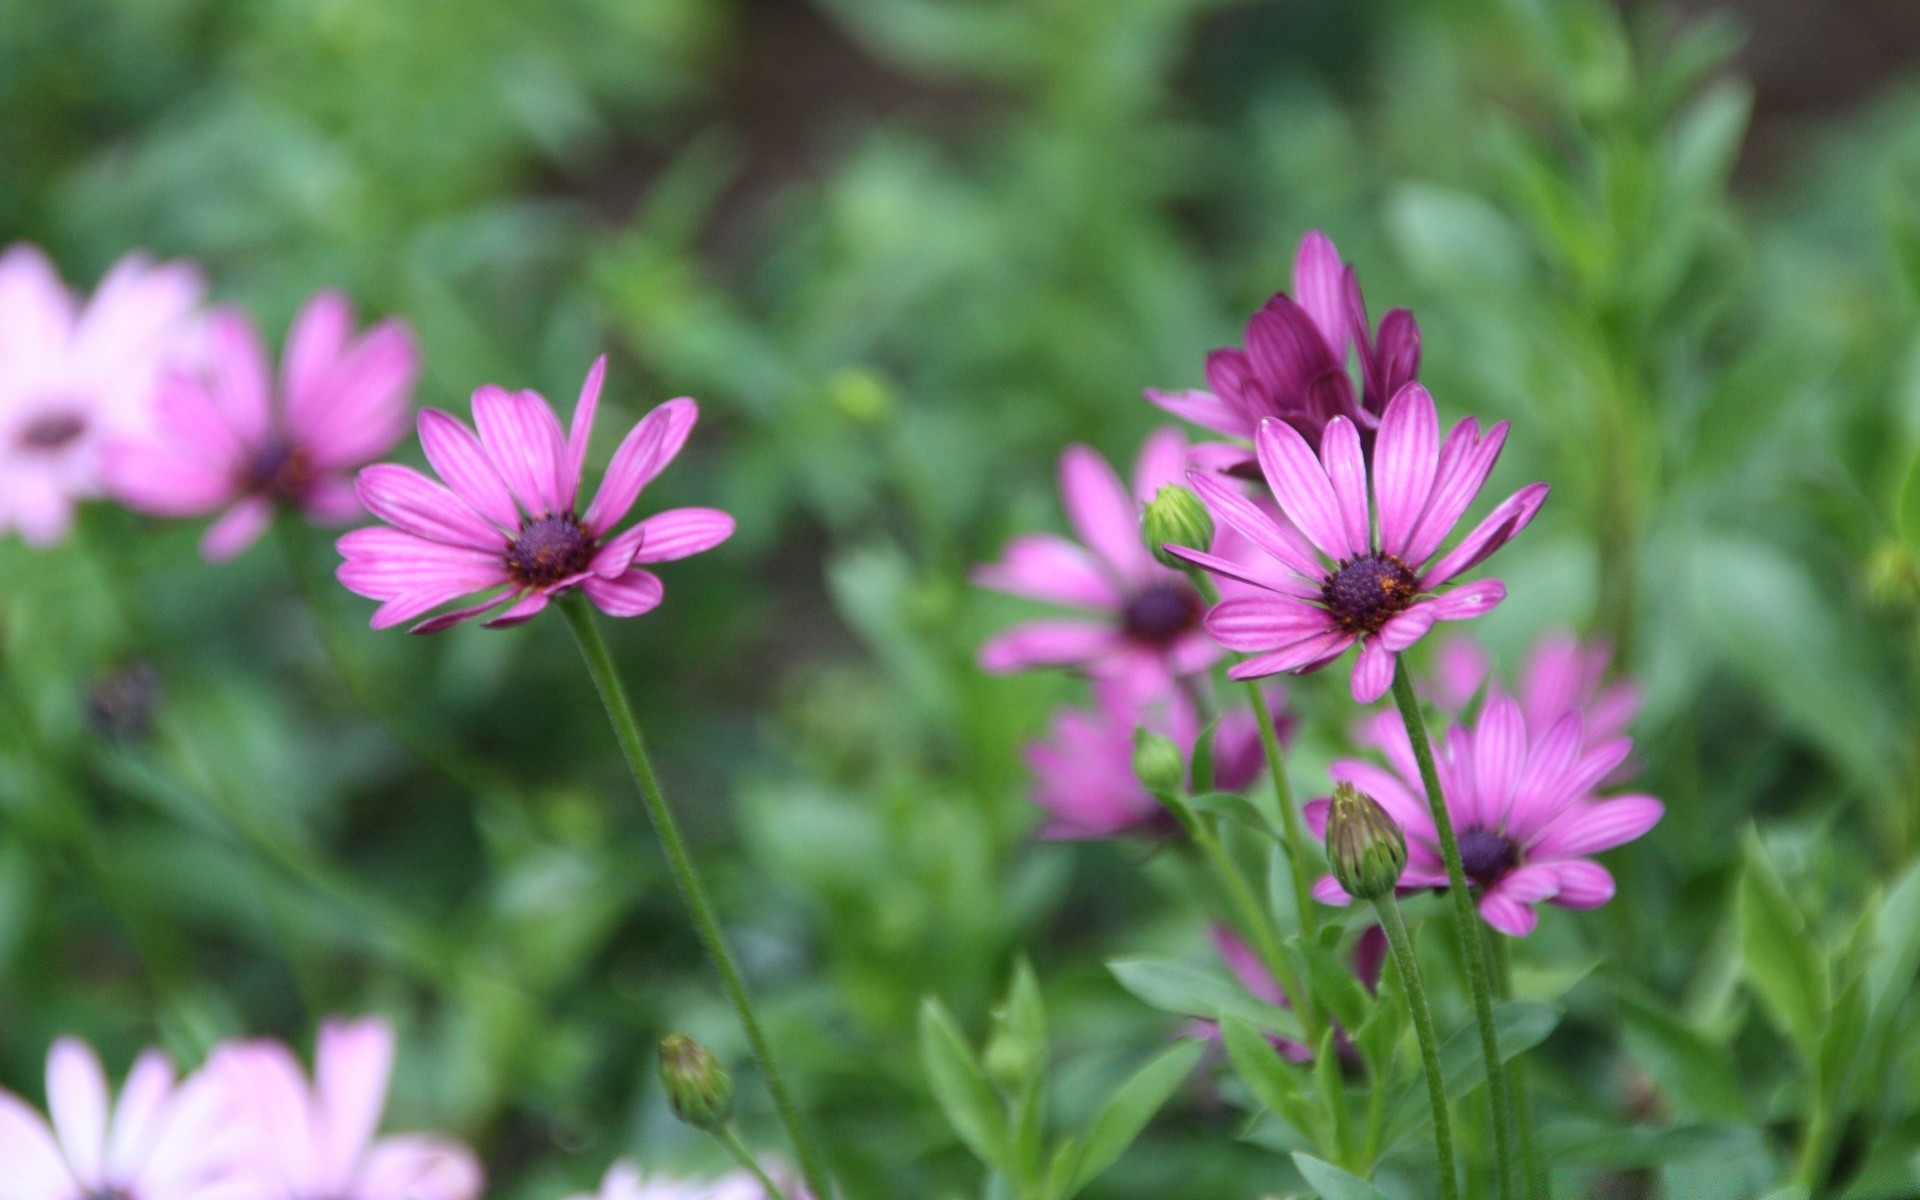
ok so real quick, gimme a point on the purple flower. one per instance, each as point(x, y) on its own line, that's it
point(1523, 807)
point(1381, 587)
point(74, 376)
point(624, 1181)
point(1294, 366)
point(510, 517)
point(1560, 674)
point(225, 438)
point(1369, 957)
point(1144, 620)
point(1083, 773)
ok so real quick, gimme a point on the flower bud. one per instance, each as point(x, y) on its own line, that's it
point(698, 1088)
point(1176, 517)
point(1157, 763)
point(1368, 851)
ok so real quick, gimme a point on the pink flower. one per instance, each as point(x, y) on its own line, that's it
point(72, 377)
point(1083, 774)
point(1144, 620)
point(510, 518)
point(223, 439)
point(1523, 807)
point(162, 1141)
point(1560, 674)
point(1380, 590)
point(1294, 367)
point(625, 1182)
point(1369, 957)
point(316, 1141)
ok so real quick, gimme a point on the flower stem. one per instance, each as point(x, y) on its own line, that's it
point(1500, 961)
point(1472, 957)
point(1259, 925)
point(613, 694)
point(1402, 945)
point(726, 1136)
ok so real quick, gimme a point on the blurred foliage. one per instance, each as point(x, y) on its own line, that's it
point(902, 251)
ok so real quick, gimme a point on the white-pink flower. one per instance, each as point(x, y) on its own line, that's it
point(624, 1181)
point(316, 1141)
point(74, 375)
point(163, 1140)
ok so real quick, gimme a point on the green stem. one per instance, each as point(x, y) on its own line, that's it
point(1471, 956)
point(1500, 960)
point(613, 694)
point(726, 1136)
point(1402, 946)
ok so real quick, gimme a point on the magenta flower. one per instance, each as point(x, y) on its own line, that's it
point(1560, 674)
point(316, 1141)
point(161, 1141)
point(1083, 774)
point(624, 1181)
point(509, 518)
point(1381, 587)
point(223, 439)
point(1523, 807)
point(1294, 367)
point(1369, 957)
point(1144, 622)
point(74, 376)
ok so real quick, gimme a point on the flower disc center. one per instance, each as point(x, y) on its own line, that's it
point(1366, 593)
point(549, 550)
point(281, 470)
point(1486, 856)
point(52, 431)
point(1162, 613)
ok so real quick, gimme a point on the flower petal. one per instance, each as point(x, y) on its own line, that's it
point(414, 1167)
point(1204, 409)
point(1408, 627)
point(1051, 568)
point(77, 1101)
point(35, 1168)
point(1406, 453)
point(1469, 600)
point(525, 609)
point(458, 457)
point(1260, 623)
point(1508, 915)
point(522, 438)
point(237, 375)
point(447, 620)
point(1104, 514)
point(1162, 460)
point(1583, 884)
point(1276, 537)
point(1320, 285)
point(580, 432)
point(408, 500)
point(630, 595)
point(1046, 644)
point(1347, 472)
point(352, 1063)
point(645, 452)
point(1372, 671)
point(236, 529)
point(1511, 516)
point(1466, 458)
point(1300, 657)
point(139, 1115)
point(1590, 828)
point(1301, 486)
point(382, 563)
point(680, 533)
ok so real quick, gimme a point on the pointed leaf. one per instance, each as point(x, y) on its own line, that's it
point(1783, 963)
point(1332, 1183)
point(1175, 988)
point(960, 1087)
point(1121, 1121)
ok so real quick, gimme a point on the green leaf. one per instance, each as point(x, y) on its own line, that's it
point(1333, 1183)
point(1201, 770)
point(1698, 1073)
point(1782, 961)
point(1907, 514)
point(1332, 980)
point(1233, 806)
point(1273, 1080)
point(1518, 1026)
point(1896, 947)
point(1121, 1121)
point(960, 1087)
point(1175, 988)
point(1016, 1053)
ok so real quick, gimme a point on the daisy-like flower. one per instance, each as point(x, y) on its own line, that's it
point(1560, 674)
point(1084, 777)
point(1334, 579)
point(223, 439)
point(1369, 958)
point(624, 1181)
point(73, 376)
point(1144, 620)
point(508, 518)
point(161, 1141)
point(1523, 806)
point(317, 1141)
point(1294, 366)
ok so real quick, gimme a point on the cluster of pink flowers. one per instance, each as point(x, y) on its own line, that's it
point(249, 1124)
point(624, 1181)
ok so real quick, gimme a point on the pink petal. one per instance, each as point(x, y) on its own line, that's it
point(1301, 486)
point(164, 479)
point(1297, 658)
point(1459, 667)
point(1347, 472)
point(1499, 755)
point(643, 454)
point(1513, 514)
point(1406, 454)
point(1046, 644)
point(1259, 623)
point(419, 1168)
point(35, 1168)
point(1274, 535)
point(37, 311)
point(1405, 804)
point(680, 533)
point(1469, 600)
point(1162, 461)
point(139, 1114)
point(1104, 514)
point(1327, 890)
point(409, 500)
point(359, 411)
point(1204, 409)
point(1046, 567)
point(1465, 461)
point(1408, 627)
point(1320, 286)
point(1590, 828)
point(458, 616)
point(580, 433)
point(270, 1091)
point(458, 457)
point(237, 528)
point(77, 1101)
point(1583, 884)
point(1314, 813)
point(630, 595)
point(523, 440)
point(352, 1063)
point(237, 375)
point(1548, 763)
point(314, 343)
point(1245, 965)
point(383, 563)
point(1507, 915)
point(1372, 671)
point(1252, 573)
point(524, 609)
point(332, 501)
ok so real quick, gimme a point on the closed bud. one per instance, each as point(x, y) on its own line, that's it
point(1368, 851)
point(698, 1088)
point(1175, 517)
point(1157, 763)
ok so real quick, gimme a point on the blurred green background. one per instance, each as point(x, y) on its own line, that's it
point(902, 251)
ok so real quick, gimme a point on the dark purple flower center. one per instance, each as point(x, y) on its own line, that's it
point(1365, 593)
point(108, 1193)
point(278, 469)
point(52, 431)
point(548, 550)
point(1486, 856)
point(1162, 613)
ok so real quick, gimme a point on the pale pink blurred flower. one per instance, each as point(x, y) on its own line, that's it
point(225, 437)
point(508, 517)
point(1083, 773)
point(624, 1181)
point(162, 1141)
point(1369, 958)
point(316, 1141)
point(73, 376)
